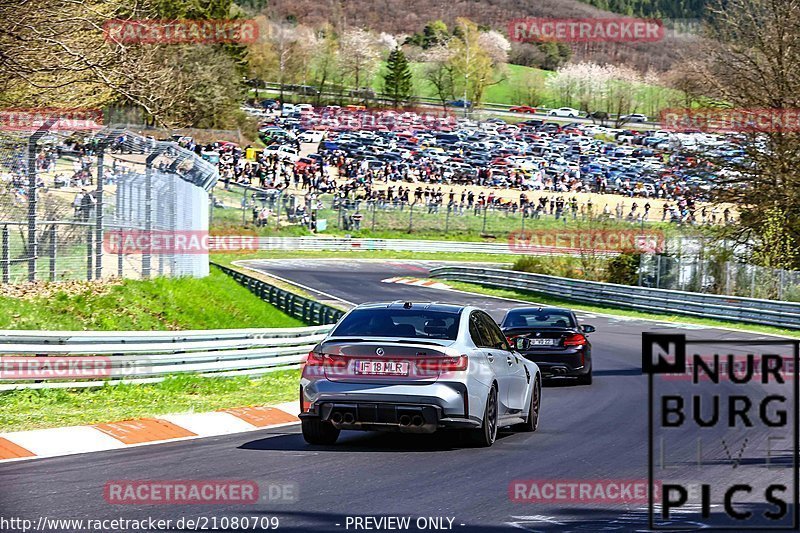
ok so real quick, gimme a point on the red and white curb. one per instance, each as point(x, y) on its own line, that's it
point(53, 442)
point(420, 282)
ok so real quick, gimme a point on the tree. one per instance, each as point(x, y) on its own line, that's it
point(433, 34)
point(282, 38)
point(684, 78)
point(325, 61)
point(262, 60)
point(359, 57)
point(397, 81)
point(216, 92)
point(440, 73)
point(527, 91)
point(623, 92)
point(599, 89)
point(495, 45)
point(472, 65)
point(54, 53)
point(750, 61)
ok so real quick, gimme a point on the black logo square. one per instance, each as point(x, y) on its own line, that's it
point(663, 353)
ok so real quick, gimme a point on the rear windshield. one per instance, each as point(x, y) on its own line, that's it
point(403, 323)
point(539, 319)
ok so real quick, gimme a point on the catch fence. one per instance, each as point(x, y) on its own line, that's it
point(69, 199)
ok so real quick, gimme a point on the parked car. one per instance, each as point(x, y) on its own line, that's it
point(564, 112)
point(283, 152)
point(304, 163)
point(311, 136)
point(287, 109)
point(460, 103)
point(633, 117)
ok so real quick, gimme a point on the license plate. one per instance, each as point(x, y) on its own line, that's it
point(382, 368)
point(543, 342)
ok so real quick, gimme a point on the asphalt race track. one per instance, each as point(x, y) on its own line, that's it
point(587, 433)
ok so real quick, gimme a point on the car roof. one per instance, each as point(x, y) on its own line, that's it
point(430, 306)
point(540, 310)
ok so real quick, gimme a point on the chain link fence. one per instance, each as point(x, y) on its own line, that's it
point(236, 205)
point(695, 273)
point(87, 205)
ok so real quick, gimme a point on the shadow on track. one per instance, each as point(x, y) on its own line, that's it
point(369, 441)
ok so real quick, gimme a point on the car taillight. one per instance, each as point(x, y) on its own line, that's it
point(315, 359)
point(444, 364)
point(319, 364)
point(511, 340)
point(575, 339)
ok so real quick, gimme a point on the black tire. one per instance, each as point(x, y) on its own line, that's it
point(317, 431)
point(585, 379)
point(487, 434)
point(532, 422)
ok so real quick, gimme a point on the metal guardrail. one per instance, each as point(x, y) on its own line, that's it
point(305, 309)
point(116, 357)
point(736, 309)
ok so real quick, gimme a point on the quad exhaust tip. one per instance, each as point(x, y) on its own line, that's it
point(349, 418)
point(336, 418)
point(405, 420)
point(417, 421)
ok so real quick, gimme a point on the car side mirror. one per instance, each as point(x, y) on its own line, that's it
point(586, 328)
point(521, 343)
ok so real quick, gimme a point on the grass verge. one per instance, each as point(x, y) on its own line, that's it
point(215, 302)
point(36, 409)
point(544, 299)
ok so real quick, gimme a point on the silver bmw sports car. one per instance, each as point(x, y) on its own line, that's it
point(417, 368)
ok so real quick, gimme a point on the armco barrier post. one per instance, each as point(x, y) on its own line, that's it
point(6, 259)
point(148, 213)
point(53, 248)
point(119, 262)
point(244, 205)
point(89, 235)
point(33, 241)
point(98, 261)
